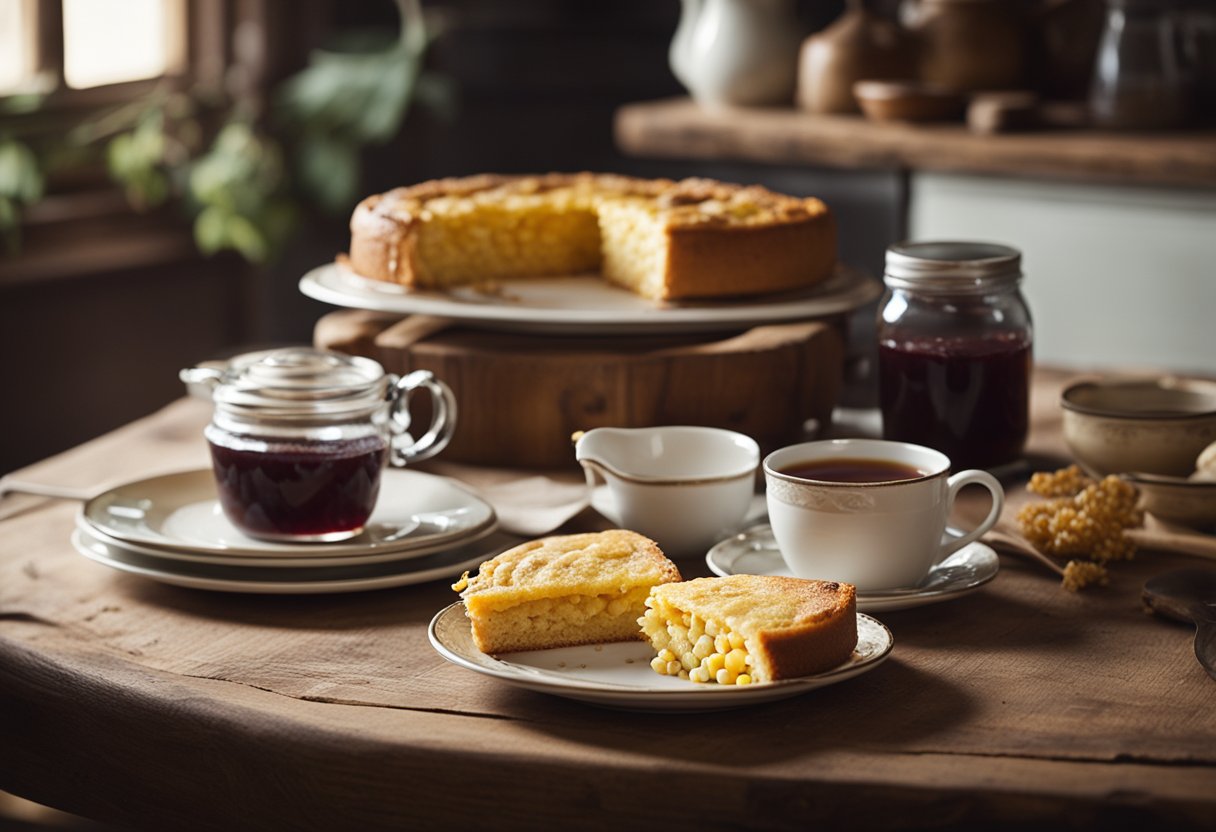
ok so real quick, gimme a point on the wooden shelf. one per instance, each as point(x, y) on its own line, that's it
point(678, 128)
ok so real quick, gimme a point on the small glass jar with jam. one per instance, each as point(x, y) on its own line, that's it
point(955, 351)
point(299, 438)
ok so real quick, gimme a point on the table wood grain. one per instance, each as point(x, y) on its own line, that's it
point(143, 704)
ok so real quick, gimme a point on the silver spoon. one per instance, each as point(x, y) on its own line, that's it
point(1188, 595)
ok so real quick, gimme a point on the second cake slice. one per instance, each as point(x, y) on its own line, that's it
point(750, 628)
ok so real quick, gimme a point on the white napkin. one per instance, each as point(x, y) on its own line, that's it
point(530, 503)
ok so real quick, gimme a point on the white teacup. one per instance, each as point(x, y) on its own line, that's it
point(877, 535)
point(684, 487)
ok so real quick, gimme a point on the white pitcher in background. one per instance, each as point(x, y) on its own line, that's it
point(737, 52)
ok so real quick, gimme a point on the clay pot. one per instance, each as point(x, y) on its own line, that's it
point(859, 45)
point(970, 45)
point(1064, 46)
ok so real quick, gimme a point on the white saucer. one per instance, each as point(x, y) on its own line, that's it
point(619, 675)
point(181, 512)
point(755, 552)
point(298, 581)
point(243, 559)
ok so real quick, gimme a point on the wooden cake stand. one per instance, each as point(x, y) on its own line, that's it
point(521, 396)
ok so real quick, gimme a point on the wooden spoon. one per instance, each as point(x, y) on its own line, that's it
point(1006, 539)
point(1188, 595)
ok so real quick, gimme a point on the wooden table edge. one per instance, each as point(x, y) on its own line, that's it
point(205, 750)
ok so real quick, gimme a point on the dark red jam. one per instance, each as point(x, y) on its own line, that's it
point(300, 489)
point(966, 396)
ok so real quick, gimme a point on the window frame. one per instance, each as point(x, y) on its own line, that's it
point(82, 221)
point(205, 45)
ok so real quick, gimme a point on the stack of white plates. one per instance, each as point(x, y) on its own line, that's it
point(171, 529)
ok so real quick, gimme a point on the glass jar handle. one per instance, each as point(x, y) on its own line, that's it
point(404, 449)
point(205, 377)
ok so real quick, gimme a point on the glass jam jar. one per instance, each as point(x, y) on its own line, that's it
point(299, 438)
point(954, 351)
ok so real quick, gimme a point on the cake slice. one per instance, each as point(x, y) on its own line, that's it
point(564, 590)
point(750, 628)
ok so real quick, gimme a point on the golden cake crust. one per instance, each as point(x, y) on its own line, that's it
point(721, 239)
point(593, 563)
point(793, 626)
point(609, 572)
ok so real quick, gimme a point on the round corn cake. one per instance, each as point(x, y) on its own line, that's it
point(662, 239)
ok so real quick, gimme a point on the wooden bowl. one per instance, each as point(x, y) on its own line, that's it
point(908, 101)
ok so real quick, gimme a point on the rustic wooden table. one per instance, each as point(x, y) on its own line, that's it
point(160, 707)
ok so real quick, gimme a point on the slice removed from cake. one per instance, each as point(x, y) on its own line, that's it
point(750, 628)
point(563, 591)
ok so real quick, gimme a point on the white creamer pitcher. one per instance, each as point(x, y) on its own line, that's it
point(737, 52)
point(684, 487)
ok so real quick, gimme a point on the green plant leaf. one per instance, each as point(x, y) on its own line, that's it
point(390, 98)
point(120, 156)
point(20, 178)
point(437, 93)
point(148, 190)
point(329, 170)
point(362, 97)
point(148, 140)
point(10, 225)
point(248, 239)
point(206, 180)
point(279, 220)
point(211, 230)
point(21, 103)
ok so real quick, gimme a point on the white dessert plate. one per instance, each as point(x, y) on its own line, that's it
point(585, 304)
point(299, 581)
point(619, 675)
point(241, 559)
point(755, 552)
point(180, 511)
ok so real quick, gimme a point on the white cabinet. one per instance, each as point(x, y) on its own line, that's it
point(1115, 275)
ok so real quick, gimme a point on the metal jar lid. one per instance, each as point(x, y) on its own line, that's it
point(294, 382)
point(948, 267)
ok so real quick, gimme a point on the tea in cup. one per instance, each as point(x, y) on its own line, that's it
point(868, 512)
point(685, 487)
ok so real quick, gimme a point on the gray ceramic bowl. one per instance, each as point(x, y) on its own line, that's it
point(1190, 503)
point(1155, 426)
